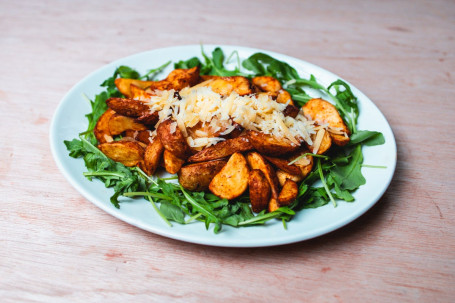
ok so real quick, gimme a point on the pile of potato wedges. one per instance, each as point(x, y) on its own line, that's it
point(245, 160)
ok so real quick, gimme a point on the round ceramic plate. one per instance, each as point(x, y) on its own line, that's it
point(69, 120)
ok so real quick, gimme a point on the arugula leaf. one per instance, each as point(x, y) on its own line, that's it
point(349, 176)
point(172, 212)
point(366, 137)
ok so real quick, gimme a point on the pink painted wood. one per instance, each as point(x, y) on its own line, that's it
point(55, 246)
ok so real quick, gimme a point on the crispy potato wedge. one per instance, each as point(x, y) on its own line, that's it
point(322, 111)
point(288, 193)
point(176, 80)
point(101, 131)
point(284, 97)
point(222, 149)
point(283, 176)
point(269, 145)
point(283, 164)
point(144, 136)
point(172, 164)
point(139, 93)
point(273, 205)
point(226, 85)
point(232, 180)
point(128, 107)
point(197, 176)
point(304, 164)
point(174, 142)
point(119, 123)
point(273, 86)
point(259, 189)
point(256, 161)
point(124, 85)
point(152, 156)
point(128, 153)
point(325, 143)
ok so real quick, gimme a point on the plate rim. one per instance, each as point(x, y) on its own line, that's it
point(168, 231)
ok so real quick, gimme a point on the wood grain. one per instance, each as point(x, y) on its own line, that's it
point(55, 246)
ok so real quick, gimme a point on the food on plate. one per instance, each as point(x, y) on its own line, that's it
point(240, 143)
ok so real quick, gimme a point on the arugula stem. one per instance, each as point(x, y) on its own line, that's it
point(256, 219)
point(198, 206)
point(373, 166)
point(351, 116)
point(147, 194)
point(170, 178)
point(156, 70)
point(192, 218)
point(145, 176)
point(103, 174)
point(307, 154)
point(158, 211)
point(321, 175)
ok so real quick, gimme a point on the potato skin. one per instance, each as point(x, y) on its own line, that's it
point(172, 164)
point(128, 153)
point(197, 176)
point(232, 180)
point(269, 145)
point(272, 86)
point(259, 189)
point(176, 80)
point(256, 161)
point(283, 164)
point(226, 85)
point(124, 85)
point(143, 136)
point(119, 123)
point(222, 149)
point(152, 156)
point(288, 193)
point(324, 112)
point(283, 176)
point(174, 142)
point(101, 131)
point(128, 107)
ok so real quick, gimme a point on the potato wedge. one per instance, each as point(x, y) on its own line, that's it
point(197, 176)
point(269, 145)
point(101, 131)
point(284, 97)
point(256, 161)
point(139, 93)
point(259, 189)
point(176, 80)
point(226, 85)
point(322, 112)
point(128, 153)
point(124, 85)
point(283, 164)
point(273, 86)
point(273, 205)
point(128, 107)
point(283, 176)
point(305, 164)
point(174, 142)
point(232, 180)
point(152, 156)
point(222, 149)
point(144, 136)
point(119, 123)
point(172, 164)
point(324, 144)
point(288, 193)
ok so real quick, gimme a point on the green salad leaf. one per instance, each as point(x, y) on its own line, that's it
point(338, 171)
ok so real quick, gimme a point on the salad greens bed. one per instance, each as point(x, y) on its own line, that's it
point(339, 171)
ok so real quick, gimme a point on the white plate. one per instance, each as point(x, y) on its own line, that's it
point(69, 120)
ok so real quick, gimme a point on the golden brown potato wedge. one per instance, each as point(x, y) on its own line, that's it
point(222, 149)
point(172, 164)
point(128, 107)
point(232, 180)
point(101, 131)
point(173, 141)
point(305, 164)
point(139, 93)
point(197, 176)
point(269, 145)
point(283, 164)
point(176, 80)
point(128, 153)
point(226, 85)
point(288, 193)
point(119, 123)
point(273, 86)
point(284, 97)
point(324, 139)
point(124, 85)
point(259, 189)
point(322, 111)
point(256, 161)
point(152, 156)
point(283, 176)
point(273, 205)
point(144, 136)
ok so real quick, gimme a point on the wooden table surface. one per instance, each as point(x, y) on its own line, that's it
point(55, 246)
